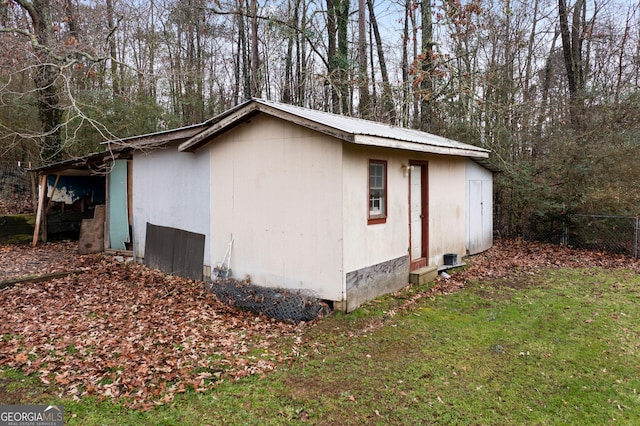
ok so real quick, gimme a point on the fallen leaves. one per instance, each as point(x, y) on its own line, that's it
point(514, 258)
point(21, 260)
point(127, 333)
point(130, 334)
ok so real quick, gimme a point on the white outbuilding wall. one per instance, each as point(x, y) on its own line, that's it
point(447, 209)
point(276, 189)
point(171, 189)
point(364, 244)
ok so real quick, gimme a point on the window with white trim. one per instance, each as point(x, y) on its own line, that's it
point(377, 191)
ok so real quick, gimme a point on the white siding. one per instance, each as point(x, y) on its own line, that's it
point(447, 207)
point(366, 245)
point(276, 190)
point(171, 189)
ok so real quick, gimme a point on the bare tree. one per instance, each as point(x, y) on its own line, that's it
point(427, 88)
point(572, 42)
point(46, 76)
point(364, 105)
point(389, 109)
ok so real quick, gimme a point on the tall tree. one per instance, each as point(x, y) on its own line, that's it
point(46, 76)
point(427, 86)
point(364, 105)
point(256, 78)
point(388, 107)
point(572, 41)
point(332, 52)
point(111, 22)
point(338, 51)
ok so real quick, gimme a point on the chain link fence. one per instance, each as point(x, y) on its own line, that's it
point(280, 304)
point(617, 234)
point(17, 188)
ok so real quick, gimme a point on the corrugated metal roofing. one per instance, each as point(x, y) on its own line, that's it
point(360, 127)
point(353, 130)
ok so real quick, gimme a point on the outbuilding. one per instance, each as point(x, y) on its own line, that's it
point(343, 209)
point(339, 207)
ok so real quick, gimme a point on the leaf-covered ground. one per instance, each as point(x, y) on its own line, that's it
point(130, 334)
point(20, 260)
point(513, 258)
point(124, 332)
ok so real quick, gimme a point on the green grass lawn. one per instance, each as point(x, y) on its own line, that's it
point(558, 346)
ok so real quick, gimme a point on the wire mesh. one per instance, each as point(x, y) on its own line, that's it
point(276, 303)
point(16, 189)
point(617, 234)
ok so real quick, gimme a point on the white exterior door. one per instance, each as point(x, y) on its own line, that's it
point(416, 212)
point(418, 215)
point(480, 220)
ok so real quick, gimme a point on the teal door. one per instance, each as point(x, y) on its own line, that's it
point(118, 206)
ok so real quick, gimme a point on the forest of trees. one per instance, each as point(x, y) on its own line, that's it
point(551, 87)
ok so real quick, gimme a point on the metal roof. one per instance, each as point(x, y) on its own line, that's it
point(121, 148)
point(88, 164)
point(354, 130)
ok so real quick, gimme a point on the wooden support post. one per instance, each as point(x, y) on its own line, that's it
point(41, 198)
point(44, 228)
point(53, 191)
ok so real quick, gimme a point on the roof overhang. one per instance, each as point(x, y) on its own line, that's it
point(484, 162)
point(220, 124)
point(160, 138)
point(118, 149)
point(245, 112)
point(249, 109)
point(419, 147)
point(84, 166)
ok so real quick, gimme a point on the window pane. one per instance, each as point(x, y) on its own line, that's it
point(377, 190)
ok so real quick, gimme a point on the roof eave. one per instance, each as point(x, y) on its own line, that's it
point(159, 138)
point(247, 111)
point(471, 152)
point(218, 125)
point(85, 162)
point(305, 122)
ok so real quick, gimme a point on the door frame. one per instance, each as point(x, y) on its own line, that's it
point(423, 260)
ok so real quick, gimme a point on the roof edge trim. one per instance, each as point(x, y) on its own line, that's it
point(304, 122)
point(419, 147)
point(222, 124)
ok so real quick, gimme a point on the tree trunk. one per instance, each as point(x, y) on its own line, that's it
point(244, 58)
point(332, 55)
point(389, 109)
point(406, 98)
point(115, 80)
point(343, 54)
point(363, 78)
point(45, 79)
point(256, 78)
point(572, 39)
point(426, 84)
point(288, 60)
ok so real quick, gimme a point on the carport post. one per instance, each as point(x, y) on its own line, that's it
point(41, 195)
